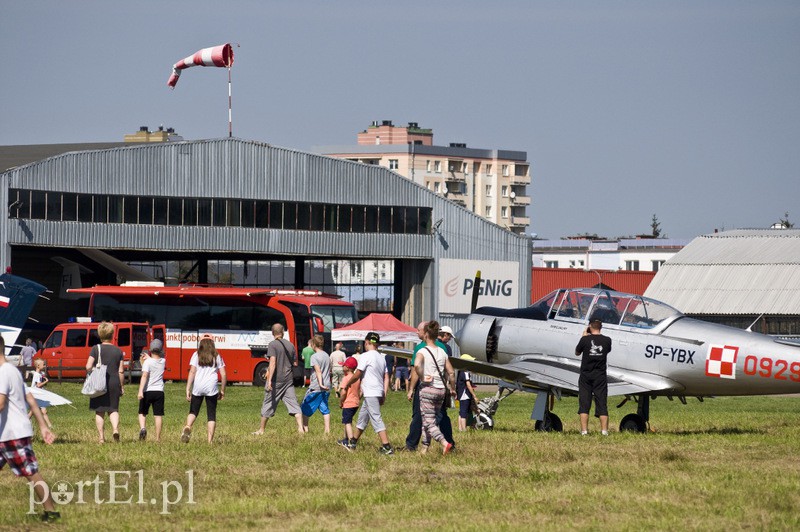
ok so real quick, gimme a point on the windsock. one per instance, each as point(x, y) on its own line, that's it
point(218, 56)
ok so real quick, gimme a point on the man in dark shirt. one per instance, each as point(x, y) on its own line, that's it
point(594, 347)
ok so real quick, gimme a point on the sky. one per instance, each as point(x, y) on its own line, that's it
point(686, 110)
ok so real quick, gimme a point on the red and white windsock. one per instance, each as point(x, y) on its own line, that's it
point(218, 56)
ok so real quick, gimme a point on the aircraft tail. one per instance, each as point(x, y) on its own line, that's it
point(17, 298)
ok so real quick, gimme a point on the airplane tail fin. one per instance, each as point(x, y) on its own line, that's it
point(17, 298)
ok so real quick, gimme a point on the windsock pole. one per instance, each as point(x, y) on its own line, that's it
point(230, 114)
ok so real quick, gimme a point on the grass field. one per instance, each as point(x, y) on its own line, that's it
point(728, 463)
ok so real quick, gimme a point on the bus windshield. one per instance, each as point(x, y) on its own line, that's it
point(334, 317)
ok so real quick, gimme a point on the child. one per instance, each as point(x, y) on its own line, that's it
point(202, 385)
point(319, 389)
point(151, 389)
point(349, 399)
point(39, 380)
point(16, 433)
point(465, 391)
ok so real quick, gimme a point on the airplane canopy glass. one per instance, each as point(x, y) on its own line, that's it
point(612, 308)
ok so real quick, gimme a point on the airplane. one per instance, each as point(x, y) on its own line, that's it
point(656, 352)
point(17, 298)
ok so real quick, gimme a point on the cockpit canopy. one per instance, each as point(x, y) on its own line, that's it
point(612, 308)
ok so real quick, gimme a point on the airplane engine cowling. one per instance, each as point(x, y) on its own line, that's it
point(474, 338)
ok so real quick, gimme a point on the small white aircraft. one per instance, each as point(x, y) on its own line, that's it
point(656, 352)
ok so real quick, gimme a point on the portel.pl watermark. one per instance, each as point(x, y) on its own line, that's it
point(116, 487)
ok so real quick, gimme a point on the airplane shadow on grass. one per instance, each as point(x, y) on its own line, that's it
point(720, 431)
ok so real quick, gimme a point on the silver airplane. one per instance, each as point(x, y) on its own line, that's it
point(656, 352)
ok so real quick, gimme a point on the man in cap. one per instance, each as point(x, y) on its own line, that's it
point(594, 348)
point(371, 371)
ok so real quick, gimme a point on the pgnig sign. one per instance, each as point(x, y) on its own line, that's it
point(499, 284)
point(116, 487)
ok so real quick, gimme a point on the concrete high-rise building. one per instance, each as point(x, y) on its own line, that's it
point(491, 183)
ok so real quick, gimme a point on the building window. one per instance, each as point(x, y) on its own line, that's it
point(504, 212)
point(437, 167)
point(632, 265)
point(428, 185)
point(504, 191)
point(488, 211)
point(576, 264)
point(657, 265)
point(551, 264)
point(488, 169)
point(488, 191)
point(505, 170)
point(428, 165)
point(394, 164)
point(436, 188)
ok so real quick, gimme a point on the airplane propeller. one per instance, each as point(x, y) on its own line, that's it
point(475, 291)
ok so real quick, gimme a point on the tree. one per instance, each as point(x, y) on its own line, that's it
point(656, 225)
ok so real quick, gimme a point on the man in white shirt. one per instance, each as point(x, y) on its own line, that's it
point(16, 432)
point(371, 370)
point(337, 370)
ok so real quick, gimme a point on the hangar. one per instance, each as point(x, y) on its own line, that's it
point(737, 278)
point(255, 209)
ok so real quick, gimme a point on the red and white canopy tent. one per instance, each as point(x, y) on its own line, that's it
point(387, 326)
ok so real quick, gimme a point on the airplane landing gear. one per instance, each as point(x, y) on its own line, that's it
point(637, 422)
point(487, 408)
point(550, 423)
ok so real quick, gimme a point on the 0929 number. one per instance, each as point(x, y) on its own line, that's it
point(768, 368)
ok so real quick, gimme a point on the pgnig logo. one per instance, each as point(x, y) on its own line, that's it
point(116, 487)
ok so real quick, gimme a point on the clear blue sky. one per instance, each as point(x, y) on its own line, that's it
point(685, 109)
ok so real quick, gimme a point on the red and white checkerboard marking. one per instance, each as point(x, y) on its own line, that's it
point(721, 361)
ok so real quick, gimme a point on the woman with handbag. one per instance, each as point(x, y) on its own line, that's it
point(437, 382)
point(106, 357)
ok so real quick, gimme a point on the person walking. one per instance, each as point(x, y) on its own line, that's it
point(16, 434)
point(106, 353)
point(306, 354)
point(437, 382)
point(594, 347)
point(337, 366)
point(318, 393)
point(280, 380)
point(203, 385)
point(467, 400)
point(151, 389)
point(371, 371)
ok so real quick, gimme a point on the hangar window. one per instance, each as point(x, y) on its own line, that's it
point(69, 207)
point(232, 213)
point(160, 211)
point(175, 211)
point(204, 212)
point(248, 213)
point(84, 208)
point(54, 206)
point(146, 210)
point(190, 211)
point(101, 209)
point(130, 210)
point(289, 215)
point(114, 209)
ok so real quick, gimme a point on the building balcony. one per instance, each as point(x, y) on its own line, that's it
point(457, 197)
point(520, 220)
point(521, 200)
point(455, 177)
point(519, 180)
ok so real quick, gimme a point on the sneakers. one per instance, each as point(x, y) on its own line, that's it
point(344, 442)
point(116, 437)
point(604, 433)
point(584, 433)
point(186, 434)
point(142, 434)
point(447, 448)
point(386, 449)
point(50, 517)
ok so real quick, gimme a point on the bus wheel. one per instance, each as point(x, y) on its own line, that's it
point(260, 374)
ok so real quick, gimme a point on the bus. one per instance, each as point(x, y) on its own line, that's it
point(239, 319)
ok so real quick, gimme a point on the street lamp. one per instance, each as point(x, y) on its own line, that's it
point(599, 277)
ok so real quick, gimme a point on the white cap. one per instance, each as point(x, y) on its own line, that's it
point(448, 330)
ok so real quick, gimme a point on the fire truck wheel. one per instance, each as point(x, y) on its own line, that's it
point(260, 374)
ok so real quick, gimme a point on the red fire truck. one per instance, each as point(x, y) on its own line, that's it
point(239, 319)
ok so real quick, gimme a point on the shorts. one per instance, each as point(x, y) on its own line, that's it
point(280, 391)
point(348, 414)
point(19, 456)
point(156, 399)
point(314, 401)
point(401, 373)
point(589, 386)
point(370, 413)
point(464, 407)
point(211, 406)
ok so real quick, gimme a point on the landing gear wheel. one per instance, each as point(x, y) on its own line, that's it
point(260, 374)
point(484, 422)
point(550, 423)
point(633, 423)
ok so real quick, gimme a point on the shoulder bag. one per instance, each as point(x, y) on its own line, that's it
point(447, 397)
point(95, 384)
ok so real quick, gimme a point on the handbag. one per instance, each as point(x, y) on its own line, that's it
point(95, 384)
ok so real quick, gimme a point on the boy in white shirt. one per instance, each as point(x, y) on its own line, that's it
point(16, 432)
point(151, 389)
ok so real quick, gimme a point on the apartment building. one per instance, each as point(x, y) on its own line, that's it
point(491, 183)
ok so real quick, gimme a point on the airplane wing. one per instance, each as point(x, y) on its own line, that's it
point(541, 372)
